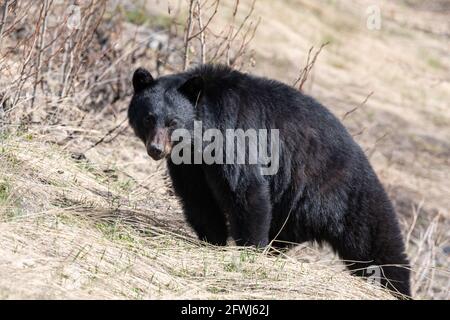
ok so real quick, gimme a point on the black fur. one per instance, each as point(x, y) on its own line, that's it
point(325, 189)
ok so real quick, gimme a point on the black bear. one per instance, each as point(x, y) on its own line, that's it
point(324, 189)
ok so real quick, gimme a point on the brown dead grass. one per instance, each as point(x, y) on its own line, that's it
point(68, 233)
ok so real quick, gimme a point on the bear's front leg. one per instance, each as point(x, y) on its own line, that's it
point(199, 206)
point(244, 196)
point(251, 215)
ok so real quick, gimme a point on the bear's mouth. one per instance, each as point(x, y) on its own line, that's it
point(161, 156)
point(159, 153)
point(160, 146)
point(157, 157)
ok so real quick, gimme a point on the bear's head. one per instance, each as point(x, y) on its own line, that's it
point(159, 106)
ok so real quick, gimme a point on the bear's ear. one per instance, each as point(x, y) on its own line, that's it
point(141, 79)
point(193, 89)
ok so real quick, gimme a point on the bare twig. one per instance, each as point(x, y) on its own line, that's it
point(3, 22)
point(202, 27)
point(416, 212)
point(371, 150)
point(22, 77)
point(187, 35)
point(110, 131)
point(45, 7)
point(201, 33)
point(306, 70)
point(358, 106)
point(230, 34)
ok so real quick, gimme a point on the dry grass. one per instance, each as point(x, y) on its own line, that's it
point(75, 236)
point(108, 225)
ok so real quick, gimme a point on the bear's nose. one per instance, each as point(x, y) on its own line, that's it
point(156, 151)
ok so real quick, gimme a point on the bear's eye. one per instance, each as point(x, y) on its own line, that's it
point(172, 123)
point(149, 118)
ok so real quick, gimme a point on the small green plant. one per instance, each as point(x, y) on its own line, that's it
point(8, 206)
point(114, 231)
point(160, 22)
point(434, 63)
point(248, 256)
point(10, 158)
point(215, 290)
point(4, 192)
point(137, 16)
point(126, 185)
point(138, 293)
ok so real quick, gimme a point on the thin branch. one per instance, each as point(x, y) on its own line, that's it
point(201, 26)
point(230, 33)
point(202, 33)
point(45, 5)
point(110, 131)
point(357, 107)
point(187, 35)
point(305, 71)
point(21, 80)
point(3, 23)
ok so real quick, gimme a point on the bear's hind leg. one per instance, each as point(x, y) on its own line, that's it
point(250, 216)
point(377, 255)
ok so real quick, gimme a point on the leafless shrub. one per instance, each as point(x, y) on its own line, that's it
point(195, 10)
point(228, 45)
point(51, 58)
point(44, 58)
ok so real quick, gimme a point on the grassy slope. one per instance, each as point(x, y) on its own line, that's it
point(68, 230)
